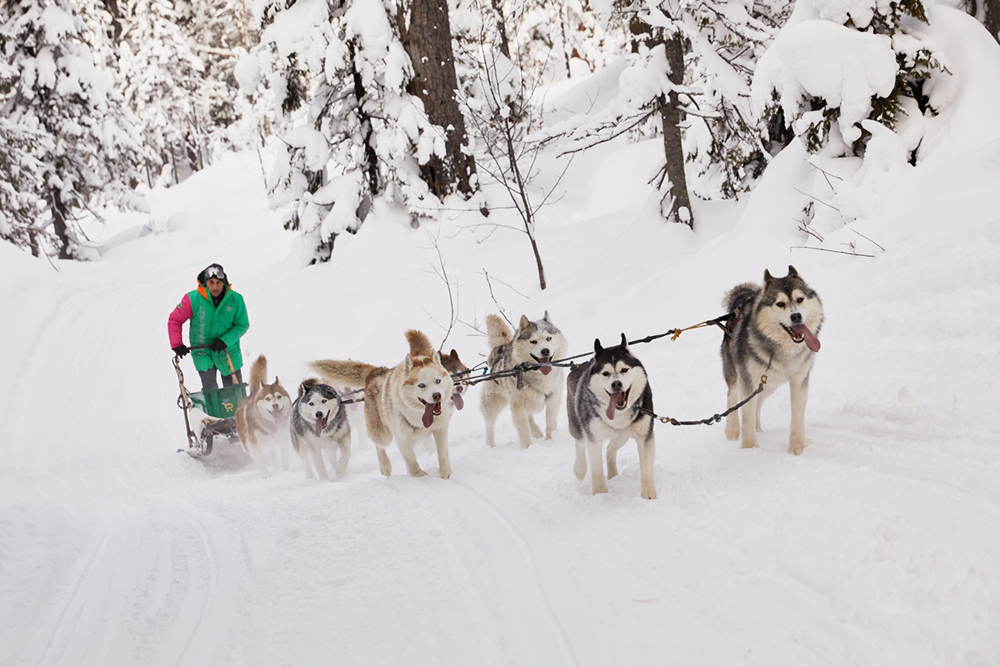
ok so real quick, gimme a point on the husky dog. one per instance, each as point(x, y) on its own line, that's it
point(772, 331)
point(421, 347)
point(262, 417)
point(405, 403)
point(319, 421)
point(535, 342)
point(603, 397)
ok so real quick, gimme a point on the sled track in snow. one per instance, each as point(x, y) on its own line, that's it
point(158, 561)
point(201, 620)
point(535, 581)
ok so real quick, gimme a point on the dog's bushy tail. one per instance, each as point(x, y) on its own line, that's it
point(739, 298)
point(738, 302)
point(258, 375)
point(420, 345)
point(497, 331)
point(344, 373)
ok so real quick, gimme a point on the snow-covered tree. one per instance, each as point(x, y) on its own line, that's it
point(84, 148)
point(353, 135)
point(162, 81)
point(835, 65)
point(219, 33)
point(21, 181)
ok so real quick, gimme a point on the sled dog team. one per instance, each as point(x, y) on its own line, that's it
point(771, 331)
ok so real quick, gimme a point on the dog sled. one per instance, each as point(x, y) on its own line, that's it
point(208, 414)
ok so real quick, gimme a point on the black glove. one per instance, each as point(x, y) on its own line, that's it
point(181, 350)
point(217, 346)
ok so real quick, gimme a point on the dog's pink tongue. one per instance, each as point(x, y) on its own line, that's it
point(321, 424)
point(429, 409)
point(811, 341)
point(458, 401)
point(615, 397)
point(545, 370)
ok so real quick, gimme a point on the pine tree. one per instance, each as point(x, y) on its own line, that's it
point(85, 149)
point(162, 82)
point(353, 136)
point(883, 71)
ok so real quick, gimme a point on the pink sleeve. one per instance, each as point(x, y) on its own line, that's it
point(179, 315)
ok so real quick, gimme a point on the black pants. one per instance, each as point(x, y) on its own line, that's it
point(210, 378)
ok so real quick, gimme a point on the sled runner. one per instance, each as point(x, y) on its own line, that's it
point(208, 413)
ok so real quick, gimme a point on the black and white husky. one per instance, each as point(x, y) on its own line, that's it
point(602, 400)
point(319, 421)
point(772, 331)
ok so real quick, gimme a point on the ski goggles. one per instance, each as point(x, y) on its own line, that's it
point(215, 271)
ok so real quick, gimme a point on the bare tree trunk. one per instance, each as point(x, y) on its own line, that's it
point(676, 203)
point(371, 159)
point(991, 17)
point(678, 208)
point(60, 225)
point(428, 42)
point(502, 28)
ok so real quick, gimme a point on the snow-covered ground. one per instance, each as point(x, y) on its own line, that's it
point(880, 545)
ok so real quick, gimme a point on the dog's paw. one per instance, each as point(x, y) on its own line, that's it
point(418, 473)
point(749, 443)
point(797, 444)
point(612, 469)
point(598, 487)
point(580, 469)
point(649, 493)
point(733, 432)
point(535, 431)
point(444, 473)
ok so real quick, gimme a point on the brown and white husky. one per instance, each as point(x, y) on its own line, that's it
point(408, 403)
point(262, 418)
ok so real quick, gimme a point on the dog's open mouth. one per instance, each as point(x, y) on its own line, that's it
point(545, 362)
point(800, 333)
point(320, 424)
point(431, 410)
point(619, 401)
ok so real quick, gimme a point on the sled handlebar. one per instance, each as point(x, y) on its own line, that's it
point(205, 346)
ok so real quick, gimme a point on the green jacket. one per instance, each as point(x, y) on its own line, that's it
point(227, 322)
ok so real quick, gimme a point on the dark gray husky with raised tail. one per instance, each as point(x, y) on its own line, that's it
point(603, 401)
point(772, 331)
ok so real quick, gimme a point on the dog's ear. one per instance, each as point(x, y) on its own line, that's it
point(792, 273)
point(597, 346)
point(524, 323)
point(767, 277)
point(436, 357)
point(407, 364)
point(302, 389)
point(624, 342)
point(546, 318)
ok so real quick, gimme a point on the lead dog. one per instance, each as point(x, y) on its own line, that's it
point(772, 331)
point(319, 421)
point(262, 418)
point(603, 401)
point(405, 403)
point(534, 342)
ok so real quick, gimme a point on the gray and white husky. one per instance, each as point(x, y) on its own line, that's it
point(602, 401)
point(772, 331)
point(319, 421)
point(534, 342)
